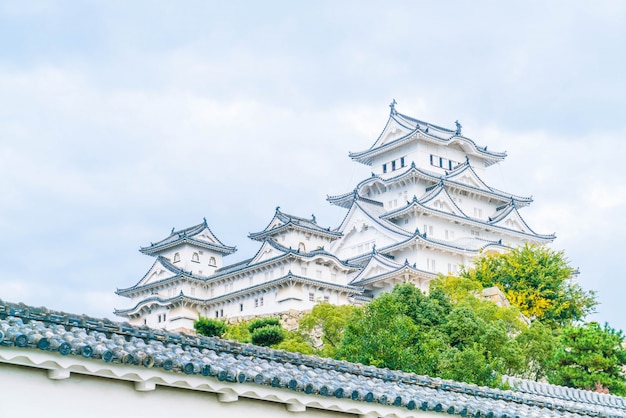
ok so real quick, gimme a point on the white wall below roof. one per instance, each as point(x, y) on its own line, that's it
point(29, 391)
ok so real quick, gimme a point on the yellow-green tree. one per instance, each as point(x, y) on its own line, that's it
point(539, 281)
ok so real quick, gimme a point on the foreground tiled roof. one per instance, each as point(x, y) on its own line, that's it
point(99, 344)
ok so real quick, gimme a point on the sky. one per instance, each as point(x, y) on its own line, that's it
point(120, 120)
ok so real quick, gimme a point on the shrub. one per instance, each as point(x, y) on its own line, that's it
point(210, 327)
point(268, 335)
point(262, 322)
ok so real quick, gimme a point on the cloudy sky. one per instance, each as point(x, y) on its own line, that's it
point(120, 120)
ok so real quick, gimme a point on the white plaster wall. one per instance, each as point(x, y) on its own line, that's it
point(95, 397)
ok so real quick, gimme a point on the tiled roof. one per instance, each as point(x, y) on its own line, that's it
point(27, 329)
point(427, 131)
point(233, 295)
point(416, 204)
point(346, 199)
point(287, 221)
point(189, 235)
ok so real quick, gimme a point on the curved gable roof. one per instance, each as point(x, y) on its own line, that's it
point(198, 235)
point(412, 129)
point(283, 221)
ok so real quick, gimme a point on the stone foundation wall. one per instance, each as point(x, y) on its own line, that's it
point(289, 319)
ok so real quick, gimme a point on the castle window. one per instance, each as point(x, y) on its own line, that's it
point(393, 165)
point(212, 262)
point(326, 298)
point(176, 258)
point(384, 168)
point(195, 258)
point(261, 302)
point(256, 303)
point(402, 162)
point(222, 312)
point(217, 314)
point(311, 297)
point(430, 264)
point(241, 307)
point(301, 247)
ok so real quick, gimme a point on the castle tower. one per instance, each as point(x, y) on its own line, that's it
point(426, 204)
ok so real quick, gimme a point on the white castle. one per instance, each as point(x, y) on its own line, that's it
point(424, 211)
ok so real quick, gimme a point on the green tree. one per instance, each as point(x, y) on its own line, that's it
point(332, 321)
point(381, 335)
point(410, 331)
point(538, 281)
point(538, 343)
point(210, 327)
point(590, 357)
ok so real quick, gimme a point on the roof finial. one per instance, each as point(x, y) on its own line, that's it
point(204, 219)
point(393, 107)
point(277, 208)
point(373, 248)
point(313, 218)
point(171, 233)
point(458, 127)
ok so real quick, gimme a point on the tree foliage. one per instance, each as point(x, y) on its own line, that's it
point(297, 342)
point(210, 327)
point(408, 330)
point(331, 320)
point(238, 332)
point(538, 281)
point(590, 357)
